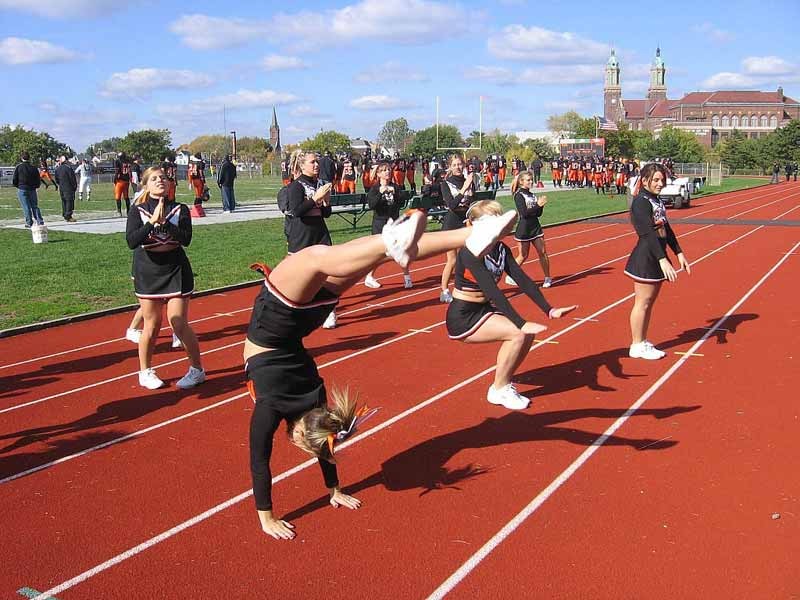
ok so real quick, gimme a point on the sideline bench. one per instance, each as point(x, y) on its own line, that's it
point(437, 212)
point(353, 207)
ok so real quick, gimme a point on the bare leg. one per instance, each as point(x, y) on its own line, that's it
point(151, 311)
point(449, 266)
point(645, 297)
point(301, 275)
point(515, 346)
point(178, 315)
point(136, 321)
point(541, 249)
point(524, 251)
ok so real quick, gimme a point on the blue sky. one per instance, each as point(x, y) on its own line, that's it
point(85, 70)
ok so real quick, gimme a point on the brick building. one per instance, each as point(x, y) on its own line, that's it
point(711, 116)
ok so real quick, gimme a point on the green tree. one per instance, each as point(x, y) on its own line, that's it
point(679, 145)
point(327, 140)
point(149, 144)
point(252, 151)
point(495, 142)
point(783, 144)
point(396, 134)
point(424, 143)
point(108, 145)
point(737, 152)
point(40, 145)
point(538, 147)
point(566, 124)
point(211, 145)
point(620, 143)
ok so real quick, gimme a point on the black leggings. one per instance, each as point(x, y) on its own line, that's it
point(284, 384)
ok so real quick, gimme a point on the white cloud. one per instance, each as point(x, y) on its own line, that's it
point(715, 33)
point(202, 32)
point(21, 51)
point(241, 100)
point(379, 103)
point(757, 72)
point(141, 82)
point(546, 75)
point(566, 105)
point(768, 65)
point(276, 62)
point(411, 22)
point(65, 9)
point(391, 71)
point(306, 111)
point(535, 44)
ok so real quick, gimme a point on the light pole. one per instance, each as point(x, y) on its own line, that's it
point(233, 150)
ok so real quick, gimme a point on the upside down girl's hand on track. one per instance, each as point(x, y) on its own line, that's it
point(339, 498)
point(684, 264)
point(557, 313)
point(276, 528)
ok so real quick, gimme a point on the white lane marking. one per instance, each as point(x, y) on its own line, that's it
point(244, 495)
point(546, 493)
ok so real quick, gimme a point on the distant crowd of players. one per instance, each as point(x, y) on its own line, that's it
point(603, 174)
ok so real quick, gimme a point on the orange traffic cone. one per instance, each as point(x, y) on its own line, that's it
point(197, 211)
point(539, 184)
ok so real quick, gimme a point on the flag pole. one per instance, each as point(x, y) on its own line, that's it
point(596, 126)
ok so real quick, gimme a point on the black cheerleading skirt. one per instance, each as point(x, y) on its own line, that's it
point(643, 266)
point(378, 224)
point(465, 318)
point(453, 220)
point(287, 379)
point(528, 230)
point(162, 274)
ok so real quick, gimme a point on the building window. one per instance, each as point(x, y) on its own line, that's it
point(764, 122)
point(715, 121)
point(745, 121)
point(773, 121)
point(734, 121)
point(725, 121)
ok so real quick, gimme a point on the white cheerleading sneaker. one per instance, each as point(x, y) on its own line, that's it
point(445, 297)
point(510, 281)
point(401, 236)
point(193, 377)
point(547, 282)
point(133, 335)
point(371, 282)
point(508, 397)
point(176, 341)
point(487, 230)
point(645, 350)
point(407, 283)
point(330, 322)
point(148, 379)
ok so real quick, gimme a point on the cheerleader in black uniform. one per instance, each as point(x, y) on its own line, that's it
point(530, 207)
point(648, 264)
point(480, 313)
point(308, 207)
point(457, 192)
point(156, 231)
point(384, 201)
point(297, 297)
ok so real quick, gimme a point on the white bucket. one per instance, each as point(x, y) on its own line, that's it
point(39, 233)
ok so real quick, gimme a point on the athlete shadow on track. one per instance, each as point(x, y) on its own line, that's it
point(424, 466)
point(351, 342)
point(236, 333)
point(561, 279)
point(390, 287)
point(728, 327)
point(93, 429)
point(391, 310)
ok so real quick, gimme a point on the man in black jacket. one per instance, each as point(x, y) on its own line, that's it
point(67, 186)
point(27, 180)
point(225, 177)
point(327, 168)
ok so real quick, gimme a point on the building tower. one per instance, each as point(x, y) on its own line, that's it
point(612, 91)
point(275, 134)
point(658, 85)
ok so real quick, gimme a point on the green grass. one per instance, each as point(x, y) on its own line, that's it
point(76, 273)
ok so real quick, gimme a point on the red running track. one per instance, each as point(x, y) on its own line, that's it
point(460, 497)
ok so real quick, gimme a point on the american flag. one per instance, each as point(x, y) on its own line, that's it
point(606, 125)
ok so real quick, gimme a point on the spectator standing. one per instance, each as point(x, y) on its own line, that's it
point(776, 173)
point(67, 186)
point(225, 178)
point(84, 172)
point(136, 174)
point(327, 168)
point(122, 182)
point(27, 180)
point(536, 166)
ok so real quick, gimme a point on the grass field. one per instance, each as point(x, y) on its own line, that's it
point(76, 273)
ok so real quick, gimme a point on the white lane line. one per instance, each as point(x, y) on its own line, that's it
point(546, 493)
point(244, 495)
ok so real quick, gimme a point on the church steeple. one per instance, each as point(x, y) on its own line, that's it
point(612, 91)
point(275, 133)
point(658, 83)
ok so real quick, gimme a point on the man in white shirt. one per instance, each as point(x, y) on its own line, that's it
point(84, 172)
